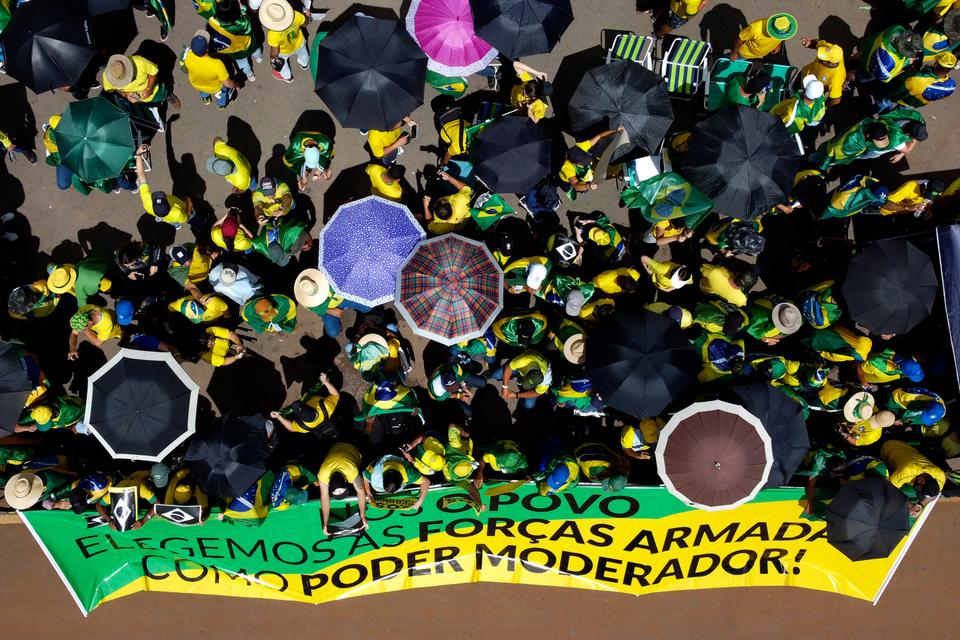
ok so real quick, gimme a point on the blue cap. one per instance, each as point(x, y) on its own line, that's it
point(911, 368)
point(881, 192)
point(124, 312)
point(386, 390)
point(558, 477)
point(932, 414)
point(200, 43)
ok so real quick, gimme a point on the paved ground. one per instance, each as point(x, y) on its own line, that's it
point(62, 225)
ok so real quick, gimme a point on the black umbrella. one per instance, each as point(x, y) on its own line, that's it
point(99, 7)
point(743, 159)
point(15, 386)
point(229, 457)
point(640, 362)
point(511, 155)
point(623, 93)
point(370, 73)
point(521, 27)
point(783, 420)
point(141, 405)
point(48, 44)
point(890, 286)
point(867, 519)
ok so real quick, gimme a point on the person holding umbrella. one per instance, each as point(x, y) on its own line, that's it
point(284, 26)
point(137, 80)
point(577, 169)
point(764, 37)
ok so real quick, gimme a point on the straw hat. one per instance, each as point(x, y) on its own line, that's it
point(275, 15)
point(23, 490)
point(574, 349)
point(311, 288)
point(119, 70)
point(786, 318)
point(859, 407)
point(375, 338)
point(62, 279)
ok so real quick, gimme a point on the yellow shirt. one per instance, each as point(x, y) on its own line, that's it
point(241, 241)
point(343, 458)
point(107, 327)
point(539, 107)
point(5, 140)
point(291, 38)
point(379, 187)
point(907, 194)
point(716, 282)
point(832, 79)
point(324, 405)
point(452, 134)
point(272, 205)
point(221, 346)
point(943, 7)
point(178, 208)
point(529, 360)
point(568, 170)
point(206, 74)
point(685, 9)
point(240, 178)
point(661, 272)
point(142, 70)
point(606, 281)
point(865, 433)
point(756, 42)
point(380, 140)
point(460, 203)
point(905, 463)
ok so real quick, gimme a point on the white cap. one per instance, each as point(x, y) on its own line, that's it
point(536, 274)
point(812, 87)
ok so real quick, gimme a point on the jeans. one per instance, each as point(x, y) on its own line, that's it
point(331, 323)
point(528, 403)
point(390, 158)
point(303, 58)
point(124, 183)
point(64, 178)
point(222, 97)
point(244, 65)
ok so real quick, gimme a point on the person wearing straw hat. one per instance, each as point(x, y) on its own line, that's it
point(888, 54)
point(763, 37)
point(137, 80)
point(232, 166)
point(772, 319)
point(859, 407)
point(805, 108)
point(309, 156)
point(312, 290)
point(208, 75)
point(84, 280)
point(30, 487)
point(285, 36)
point(270, 313)
point(827, 67)
point(96, 323)
point(570, 339)
point(866, 432)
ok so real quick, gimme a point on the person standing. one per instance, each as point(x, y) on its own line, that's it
point(764, 37)
point(386, 146)
point(270, 313)
point(385, 181)
point(13, 149)
point(234, 35)
point(284, 27)
point(208, 75)
point(339, 470)
point(923, 86)
point(137, 80)
point(309, 156)
point(232, 166)
point(806, 108)
point(160, 205)
point(828, 68)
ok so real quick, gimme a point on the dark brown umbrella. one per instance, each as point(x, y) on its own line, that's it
point(714, 455)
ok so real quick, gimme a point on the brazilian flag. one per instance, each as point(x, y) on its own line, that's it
point(488, 209)
point(448, 86)
point(667, 196)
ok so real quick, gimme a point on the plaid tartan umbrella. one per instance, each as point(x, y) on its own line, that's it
point(450, 289)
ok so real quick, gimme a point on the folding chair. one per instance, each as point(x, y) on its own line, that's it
point(630, 46)
point(724, 69)
point(684, 67)
point(781, 81)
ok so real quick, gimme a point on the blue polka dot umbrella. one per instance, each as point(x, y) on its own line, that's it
point(364, 246)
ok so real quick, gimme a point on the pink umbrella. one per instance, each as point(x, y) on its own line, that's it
point(444, 30)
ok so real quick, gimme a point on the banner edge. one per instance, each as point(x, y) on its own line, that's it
point(915, 531)
point(56, 567)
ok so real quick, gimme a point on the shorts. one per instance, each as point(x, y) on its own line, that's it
point(674, 21)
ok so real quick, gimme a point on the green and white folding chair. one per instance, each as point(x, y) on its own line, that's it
point(724, 69)
point(630, 46)
point(781, 82)
point(684, 67)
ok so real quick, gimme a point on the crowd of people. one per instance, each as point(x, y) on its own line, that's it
point(758, 296)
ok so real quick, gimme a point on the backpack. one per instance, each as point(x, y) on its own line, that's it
point(742, 237)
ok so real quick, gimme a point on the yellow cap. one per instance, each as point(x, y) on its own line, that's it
point(947, 60)
point(182, 493)
point(829, 53)
point(105, 284)
point(42, 415)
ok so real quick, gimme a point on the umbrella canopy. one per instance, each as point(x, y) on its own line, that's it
point(714, 455)
point(628, 94)
point(450, 289)
point(890, 286)
point(640, 362)
point(99, 7)
point(867, 519)
point(521, 27)
point(48, 44)
point(444, 31)
point(95, 139)
point(370, 73)
point(511, 155)
point(15, 386)
point(363, 247)
point(229, 457)
point(743, 159)
point(141, 405)
point(782, 418)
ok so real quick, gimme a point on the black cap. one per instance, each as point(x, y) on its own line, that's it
point(161, 206)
